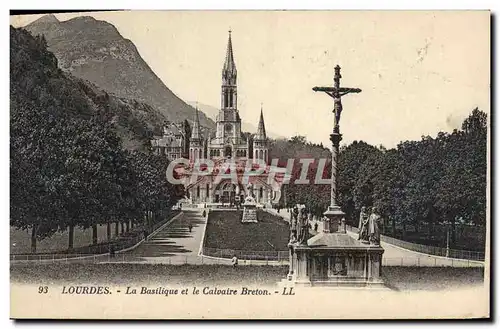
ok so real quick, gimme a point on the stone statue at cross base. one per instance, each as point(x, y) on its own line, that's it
point(293, 224)
point(373, 229)
point(303, 235)
point(362, 227)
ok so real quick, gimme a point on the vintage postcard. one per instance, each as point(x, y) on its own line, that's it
point(250, 165)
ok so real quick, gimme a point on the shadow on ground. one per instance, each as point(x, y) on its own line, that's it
point(161, 244)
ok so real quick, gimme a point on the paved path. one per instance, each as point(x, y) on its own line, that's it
point(174, 243)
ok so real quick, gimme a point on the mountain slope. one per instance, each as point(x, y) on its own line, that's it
point(95, 51)
point(36, 79)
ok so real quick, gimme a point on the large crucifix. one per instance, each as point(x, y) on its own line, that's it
point(336, 92)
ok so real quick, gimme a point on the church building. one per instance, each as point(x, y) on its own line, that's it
point(229, 144)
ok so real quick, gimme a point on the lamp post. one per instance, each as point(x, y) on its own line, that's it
point(334, 215)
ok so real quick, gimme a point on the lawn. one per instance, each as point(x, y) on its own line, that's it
point(20, 241)
point(397, 278)
point(226, 231)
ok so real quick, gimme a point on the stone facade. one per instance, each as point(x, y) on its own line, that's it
point(173, 142)
point(229, 145)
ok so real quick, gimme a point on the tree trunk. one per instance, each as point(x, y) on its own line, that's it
point(148, 216)
point(453, 232)
point(116, 229)
point(33, 238)
point(71, 233)
point(94, 234)
point(108, 230)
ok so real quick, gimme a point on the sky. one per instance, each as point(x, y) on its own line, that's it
point(420, 72)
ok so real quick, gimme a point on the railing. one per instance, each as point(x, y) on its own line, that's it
point(122, 242)
point(127, 258)
point(431, 250)
point(246, 254)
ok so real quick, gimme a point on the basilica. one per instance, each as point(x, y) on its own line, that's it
point(230, 144)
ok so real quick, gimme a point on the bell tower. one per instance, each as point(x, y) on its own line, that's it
point(260, 145)
point(229, 94)
point(196, 140)
point(228, 119)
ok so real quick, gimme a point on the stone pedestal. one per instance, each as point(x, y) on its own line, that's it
point(336, 260)
point(334, 220)
point(249, 210)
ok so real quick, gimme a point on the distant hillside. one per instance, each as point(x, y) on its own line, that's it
point(36, 79)
point(95, 51)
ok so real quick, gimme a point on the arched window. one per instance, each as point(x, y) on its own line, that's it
point(198, 191)
point(225, 99)
point(230, 99)
point(261, 154)
point(261, 192)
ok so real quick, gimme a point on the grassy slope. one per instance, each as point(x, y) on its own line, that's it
point(225, 231)
point(20, 241)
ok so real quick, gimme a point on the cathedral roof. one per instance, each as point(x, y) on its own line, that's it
point(195, 132)
point(166, 142)
point(229, 66)
point(171, 128)
point(261, 130)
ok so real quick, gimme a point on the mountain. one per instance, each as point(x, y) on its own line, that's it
point(37, 81)
point(94, 50)
point(212, 111)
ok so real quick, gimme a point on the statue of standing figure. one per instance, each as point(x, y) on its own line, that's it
point(363, 225)
point(373, 229)
point(304, 226)
point(293, 224)
point(250, 190)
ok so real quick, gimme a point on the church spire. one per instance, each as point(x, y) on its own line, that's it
point(261, 130)
point(229, 69)
point(195, 132)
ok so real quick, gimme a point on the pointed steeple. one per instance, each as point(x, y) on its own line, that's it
point(261, 130)
point(195, 132)
point(229, 69)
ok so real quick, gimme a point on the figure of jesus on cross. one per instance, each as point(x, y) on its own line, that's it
point(336, 92)
point(334, 213)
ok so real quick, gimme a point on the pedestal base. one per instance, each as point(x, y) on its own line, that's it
point(249, 215)
point(335, 260)
point(334, 221)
